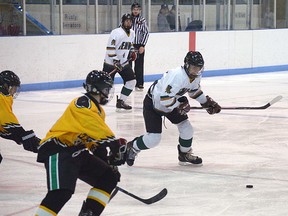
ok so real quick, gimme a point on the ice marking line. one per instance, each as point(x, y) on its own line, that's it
point(192, 170)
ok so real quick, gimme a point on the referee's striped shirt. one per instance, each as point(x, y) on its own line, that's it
point(139, 25)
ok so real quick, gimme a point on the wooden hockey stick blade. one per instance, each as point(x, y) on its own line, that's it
point(148, 201)
point(276, 99)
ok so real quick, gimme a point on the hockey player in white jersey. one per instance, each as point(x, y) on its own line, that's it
point(165, 97)
point(119, 52)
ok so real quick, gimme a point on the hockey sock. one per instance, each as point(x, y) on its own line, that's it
point(97, 200)
point(147, 141)
point(54, 201)
point(127, 89)
point(185, 145)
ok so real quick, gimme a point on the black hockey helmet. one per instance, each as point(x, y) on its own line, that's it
point(9, 78)
point(125, 17)
point(135, 5)
point(194, 58)
point(98, 82)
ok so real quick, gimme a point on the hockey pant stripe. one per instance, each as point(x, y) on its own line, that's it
point(99, 196)
point(53, 172)
point(43, 211)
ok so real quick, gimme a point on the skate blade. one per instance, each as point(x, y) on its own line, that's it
point(119, 110)
point(189, 164)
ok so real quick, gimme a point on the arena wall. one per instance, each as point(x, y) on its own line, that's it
point(47, 62)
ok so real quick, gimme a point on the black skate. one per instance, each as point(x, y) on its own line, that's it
point(86, 212)
point(122, 106)
point(186, 158)
point(131, 153)
point(139, 87)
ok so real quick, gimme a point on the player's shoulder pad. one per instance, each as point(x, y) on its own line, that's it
point(82, 102)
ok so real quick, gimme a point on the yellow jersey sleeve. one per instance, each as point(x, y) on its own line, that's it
point(9, 124)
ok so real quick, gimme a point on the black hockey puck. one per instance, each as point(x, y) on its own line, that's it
point(249, 186)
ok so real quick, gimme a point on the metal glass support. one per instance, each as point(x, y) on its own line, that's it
point(176, 2)
point(275, 15)
point(204, 16)
point(60, 17)
point(87, 16)
point(229, 15)
point(96, 17)
point(24, 17)
point(149, 14)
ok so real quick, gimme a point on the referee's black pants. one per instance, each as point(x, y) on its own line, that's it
point(139, 67)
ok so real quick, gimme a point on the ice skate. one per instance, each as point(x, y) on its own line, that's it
point(121, 106)
point(186, 158)
point(131, 153)
point(86, 212)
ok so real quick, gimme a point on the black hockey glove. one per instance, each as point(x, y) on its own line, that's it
point(116, 172)
point(101, 152)
point(118, 150)
point(184, 106)
point(211, 106)
point(132, 56)
point(30, 141)
point(117, 65)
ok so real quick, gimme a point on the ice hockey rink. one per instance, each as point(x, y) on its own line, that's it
point(238, 147)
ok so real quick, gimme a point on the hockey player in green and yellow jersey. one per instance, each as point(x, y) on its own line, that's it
point(10, 128)
point(67, 151)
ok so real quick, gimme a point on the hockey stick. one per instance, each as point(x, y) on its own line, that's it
point(276, 99)
point(148, 201)
point(116, 70)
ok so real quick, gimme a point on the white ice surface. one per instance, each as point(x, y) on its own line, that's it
point(238, 147)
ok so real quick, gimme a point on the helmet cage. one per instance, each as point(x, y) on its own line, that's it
point(99, 83)
point(193, 71)
point(11, 82)
point(193, 64)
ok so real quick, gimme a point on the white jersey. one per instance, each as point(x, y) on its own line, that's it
point(174, 84)
point(119, 45)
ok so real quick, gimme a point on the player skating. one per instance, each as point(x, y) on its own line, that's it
point(64, 151)
point(165, 97)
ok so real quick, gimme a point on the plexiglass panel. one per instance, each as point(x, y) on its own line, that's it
point(65, 17)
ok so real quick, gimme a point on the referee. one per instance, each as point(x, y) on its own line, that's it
point(139, 25)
